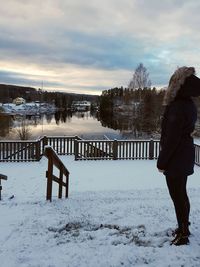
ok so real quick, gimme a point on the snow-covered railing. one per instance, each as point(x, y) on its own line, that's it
point(116, 149)
point(32, 150)
point(63, 145)
point(20, 150)
point(94, 149)
point(54, 161)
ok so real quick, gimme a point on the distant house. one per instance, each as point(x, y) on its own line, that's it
point(81, 105)
point(19, 101)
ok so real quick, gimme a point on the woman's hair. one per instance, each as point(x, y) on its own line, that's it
point(175, 82)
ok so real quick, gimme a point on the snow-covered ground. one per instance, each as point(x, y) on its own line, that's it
point(28, 108)
point(118, 214)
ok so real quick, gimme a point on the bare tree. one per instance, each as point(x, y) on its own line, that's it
point(140, 79)
point(23, 131)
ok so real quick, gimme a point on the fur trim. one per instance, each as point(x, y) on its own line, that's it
point(175, 82)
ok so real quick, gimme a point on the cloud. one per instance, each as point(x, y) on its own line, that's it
point(56, 40)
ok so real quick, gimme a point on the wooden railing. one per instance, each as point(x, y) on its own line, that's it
point(83, 149)
point(116, 149)
point(63, 145)
point(101, 149)
point(33, 150)
point(54, 161)
point(19, 151)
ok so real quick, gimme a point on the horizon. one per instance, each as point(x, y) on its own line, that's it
point(85, 48)
point(81, 93)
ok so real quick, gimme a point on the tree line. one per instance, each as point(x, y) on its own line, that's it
point(137, 109)
point(60, 99)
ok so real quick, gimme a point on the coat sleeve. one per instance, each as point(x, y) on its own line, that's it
point(171, 136)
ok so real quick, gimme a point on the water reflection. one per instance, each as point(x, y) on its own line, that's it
point(134, 125)
point(66, 116)
point(6, 124)
point(90, 123)
point(60, 123)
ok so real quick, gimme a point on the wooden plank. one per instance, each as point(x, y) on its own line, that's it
point(3, 150)
point(60, 183)
point(6, 147)
point(49, 152)
point(29, 151)
point(127, 148)
point(17, 150)
point(3, 177)
point(67, 187)
point(69, 144)
point(142, 150)
point(139, 149)
point(146, 148)
point(130, 149)
point(64, 147)
point(56, 179)
point(136, 156)
point(57, 146)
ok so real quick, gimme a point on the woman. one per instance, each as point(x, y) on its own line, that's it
point(176, 158)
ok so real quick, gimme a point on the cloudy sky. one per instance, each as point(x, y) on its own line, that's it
point(88, 46)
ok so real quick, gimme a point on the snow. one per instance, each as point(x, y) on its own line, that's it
point(118, 214)
point(28, 108)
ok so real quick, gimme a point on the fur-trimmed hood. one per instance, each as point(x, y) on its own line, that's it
point(183, 83)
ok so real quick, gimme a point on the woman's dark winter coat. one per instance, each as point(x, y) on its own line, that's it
point(177, 149)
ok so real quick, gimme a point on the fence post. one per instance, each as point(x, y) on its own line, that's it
point(151, 149)
point(61, 181)
point(67, 186)
point(115, 149)
point(76, 149)
point(49, 176)
point(37, 152)
point(45, 143)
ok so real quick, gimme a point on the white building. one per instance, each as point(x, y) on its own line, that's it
point(81, 105)
point(19, 101)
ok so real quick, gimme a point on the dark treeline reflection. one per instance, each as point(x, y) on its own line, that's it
point(138, 124)
point(66, 116)
point(136, 113)
point(8, 123)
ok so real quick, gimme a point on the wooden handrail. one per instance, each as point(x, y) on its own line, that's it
point(54, 160)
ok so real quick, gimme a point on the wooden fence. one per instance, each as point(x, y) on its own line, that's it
point(83, 149)
point(33, 150)
point(54, 161)
point(116, 149)
point(19, 151)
